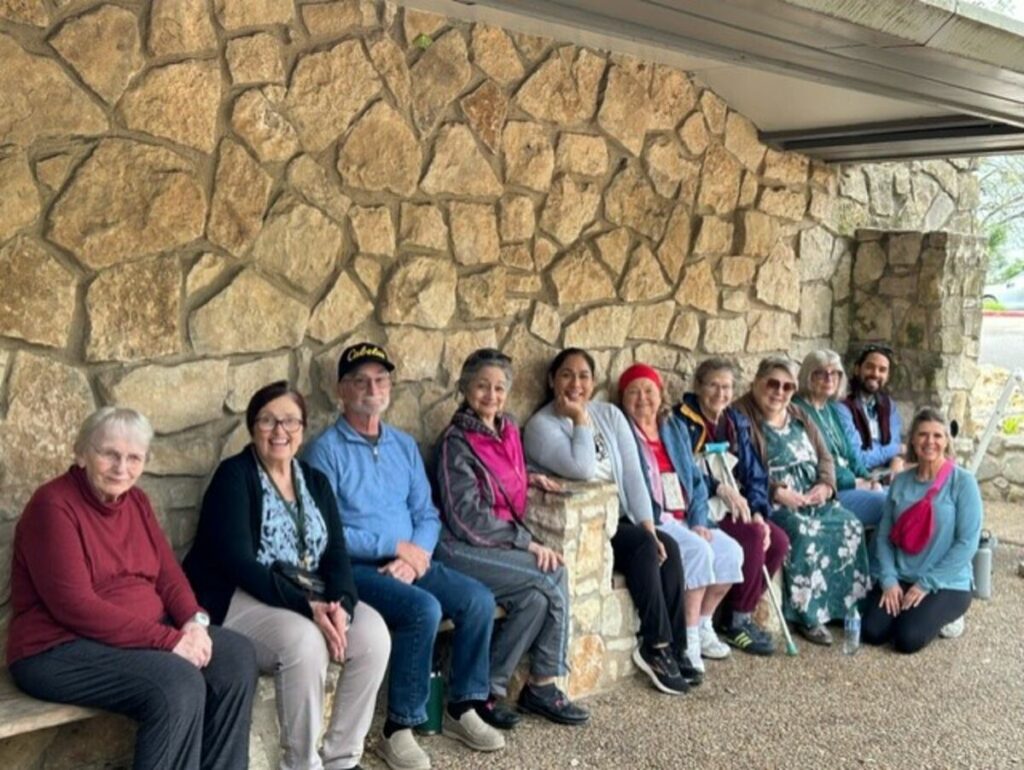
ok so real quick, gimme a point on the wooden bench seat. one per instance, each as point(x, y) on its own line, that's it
point(21, 713)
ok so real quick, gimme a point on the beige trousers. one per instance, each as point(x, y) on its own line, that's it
point(292, 648)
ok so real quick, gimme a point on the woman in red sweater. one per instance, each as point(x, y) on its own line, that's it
point(104, 617)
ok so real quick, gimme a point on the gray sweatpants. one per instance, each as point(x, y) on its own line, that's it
point(536, 605)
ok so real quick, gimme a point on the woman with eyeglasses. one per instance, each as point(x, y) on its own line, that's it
point(577, 438)
point(826, 571)
point(822, 382)
point(269, 562)
point(740, 498)
point(103, 617)
point(482, 479)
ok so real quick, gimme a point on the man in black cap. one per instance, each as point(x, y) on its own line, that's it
point(391, 527)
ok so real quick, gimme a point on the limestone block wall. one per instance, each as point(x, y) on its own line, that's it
point(922, 293)
point(604, 624)
point(201, 196)
point(1001, 474)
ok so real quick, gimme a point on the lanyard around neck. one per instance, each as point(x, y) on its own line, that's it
point(296, 511)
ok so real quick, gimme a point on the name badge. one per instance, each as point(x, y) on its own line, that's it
point(675, 500)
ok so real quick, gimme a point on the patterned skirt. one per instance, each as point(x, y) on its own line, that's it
point(826, 571)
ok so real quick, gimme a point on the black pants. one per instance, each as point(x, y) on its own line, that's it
point(657, 591)
point(912, 629)
point(188, 717)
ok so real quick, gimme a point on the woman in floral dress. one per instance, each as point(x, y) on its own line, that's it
point(827, 568)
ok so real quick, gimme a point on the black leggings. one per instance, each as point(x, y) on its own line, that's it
point(912, 629)
point(657, 591)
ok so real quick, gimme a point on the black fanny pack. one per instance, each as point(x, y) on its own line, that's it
point(307, 581)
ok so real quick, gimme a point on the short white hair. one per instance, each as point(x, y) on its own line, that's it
point(114, 419)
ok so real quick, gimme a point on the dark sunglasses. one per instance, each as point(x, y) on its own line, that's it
point(785, 387)
point(876, 347)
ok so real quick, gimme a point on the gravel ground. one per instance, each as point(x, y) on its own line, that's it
point(959, 703)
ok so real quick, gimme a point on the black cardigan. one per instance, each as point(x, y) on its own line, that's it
point(223, 555)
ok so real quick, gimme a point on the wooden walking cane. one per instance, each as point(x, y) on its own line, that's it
point(715, 453)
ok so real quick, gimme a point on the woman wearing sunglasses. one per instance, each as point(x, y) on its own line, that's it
point(827, 568)
point(822, 381)
point(482, 479)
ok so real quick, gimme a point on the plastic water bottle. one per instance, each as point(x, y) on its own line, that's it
point(851, 631)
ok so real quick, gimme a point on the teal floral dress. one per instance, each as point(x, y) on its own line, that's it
point(826, 571)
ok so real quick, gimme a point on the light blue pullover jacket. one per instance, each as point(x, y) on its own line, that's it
point(945, 563)
point(382, 491)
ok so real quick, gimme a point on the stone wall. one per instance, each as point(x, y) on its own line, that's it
point(1001, 474)
point(200, 197)
point(922, 293)
point(604, 623)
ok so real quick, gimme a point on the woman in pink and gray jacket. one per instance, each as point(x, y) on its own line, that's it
point(482, 479)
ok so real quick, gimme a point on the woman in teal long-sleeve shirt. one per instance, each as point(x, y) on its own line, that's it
point(918, 593)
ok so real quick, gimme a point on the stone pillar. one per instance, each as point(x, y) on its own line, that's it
point(604, 623)
point(921, 292)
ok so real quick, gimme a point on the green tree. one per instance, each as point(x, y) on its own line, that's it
point(1001, 214)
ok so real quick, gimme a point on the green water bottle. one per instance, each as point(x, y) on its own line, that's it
point(435, 706)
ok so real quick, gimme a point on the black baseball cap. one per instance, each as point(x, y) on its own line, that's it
point(361, 353)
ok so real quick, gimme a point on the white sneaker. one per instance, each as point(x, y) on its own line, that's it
point(695, 658)
point(711, 646)
point(953, 630)
point(472, 730)
point(401, 752)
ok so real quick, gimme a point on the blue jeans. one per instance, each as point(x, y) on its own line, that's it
point(865, 504)
point(413, 613)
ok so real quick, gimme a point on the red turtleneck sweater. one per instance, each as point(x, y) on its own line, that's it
point(87, 569)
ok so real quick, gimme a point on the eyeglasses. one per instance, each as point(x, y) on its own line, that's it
point(267, 423)
point(826, 374)
point(785, 387)
point(362, 382)
point(110, 457)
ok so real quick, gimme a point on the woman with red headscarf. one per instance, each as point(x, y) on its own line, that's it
point(713, 560)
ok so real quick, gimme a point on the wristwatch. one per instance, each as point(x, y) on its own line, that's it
point(200, 618)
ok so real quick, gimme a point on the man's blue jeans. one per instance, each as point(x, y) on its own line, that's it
point(413, 613)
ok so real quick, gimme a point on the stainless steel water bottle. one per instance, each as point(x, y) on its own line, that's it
point(983, 565)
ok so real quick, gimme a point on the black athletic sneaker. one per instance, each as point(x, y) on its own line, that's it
point(660, 665)
point(748, 638)
point(693, 676)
